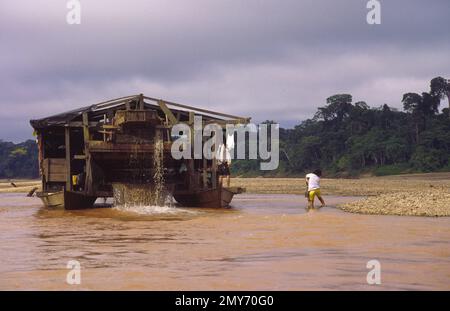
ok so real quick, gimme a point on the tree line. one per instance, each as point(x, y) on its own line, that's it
point(19, 160)
point(344, 138)
point(347, 138)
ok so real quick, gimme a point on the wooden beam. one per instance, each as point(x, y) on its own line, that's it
point(172, 119)
point(81, 124)
point(86, 127)
point(101, 146)
point(191, 165)
point(141, 102)
point(68, 160)
point(198, 109)
point(113, 101)
point(205, 173)
point(41, 157)
point(214, 168)
point(88, 167)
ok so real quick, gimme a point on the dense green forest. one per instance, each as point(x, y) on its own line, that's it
point(343, 138)
point(348, 139)
point(19, 160)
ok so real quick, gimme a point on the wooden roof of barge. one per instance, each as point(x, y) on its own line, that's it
point(98, 110)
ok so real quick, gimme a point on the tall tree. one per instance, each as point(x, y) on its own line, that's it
point(440, 87)
point(412, 103)
point(337, 109)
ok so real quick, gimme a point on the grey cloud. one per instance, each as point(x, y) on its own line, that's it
point(266, 59)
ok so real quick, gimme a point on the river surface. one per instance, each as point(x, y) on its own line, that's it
point(264, 242)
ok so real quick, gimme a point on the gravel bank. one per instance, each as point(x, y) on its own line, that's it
point(430, 202)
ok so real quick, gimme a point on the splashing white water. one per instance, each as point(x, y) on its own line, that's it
point(152, 210)
point(145, 194)
point(158, 177)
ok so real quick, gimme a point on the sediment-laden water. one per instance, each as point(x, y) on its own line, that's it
point(265, 242)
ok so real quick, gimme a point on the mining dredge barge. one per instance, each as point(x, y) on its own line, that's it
point(84, 152)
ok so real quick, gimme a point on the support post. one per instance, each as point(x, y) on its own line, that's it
point(205, 173)
point(141, 101)
point(191, 165)
point(214, 169)
point(88, 167)
point(41, 157)
point(68, 160)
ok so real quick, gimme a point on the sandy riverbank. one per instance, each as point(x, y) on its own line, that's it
point(414, 194)
point(21, 185)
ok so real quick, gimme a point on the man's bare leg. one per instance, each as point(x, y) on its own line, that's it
point(311, 204)
point(321, 201)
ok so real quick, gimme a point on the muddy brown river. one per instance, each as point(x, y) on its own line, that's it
point(264, 242)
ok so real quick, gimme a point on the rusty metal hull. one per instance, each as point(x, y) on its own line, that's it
point(209, 198)
point(74, 200)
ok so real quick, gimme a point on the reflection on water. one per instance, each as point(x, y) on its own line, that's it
point(264, 242)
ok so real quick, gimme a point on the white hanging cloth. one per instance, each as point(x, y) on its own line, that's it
point(224, 151)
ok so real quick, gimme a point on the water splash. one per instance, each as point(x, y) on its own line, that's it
point(145, 194)
point(153, 210)
point(158, 176)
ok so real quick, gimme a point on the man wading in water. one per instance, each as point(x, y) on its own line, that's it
point(313, 184)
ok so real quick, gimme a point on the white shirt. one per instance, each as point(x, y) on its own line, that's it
point(313, 182)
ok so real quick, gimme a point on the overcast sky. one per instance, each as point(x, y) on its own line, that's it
point(277, 59)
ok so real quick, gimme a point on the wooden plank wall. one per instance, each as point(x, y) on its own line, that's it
point(54, 170)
